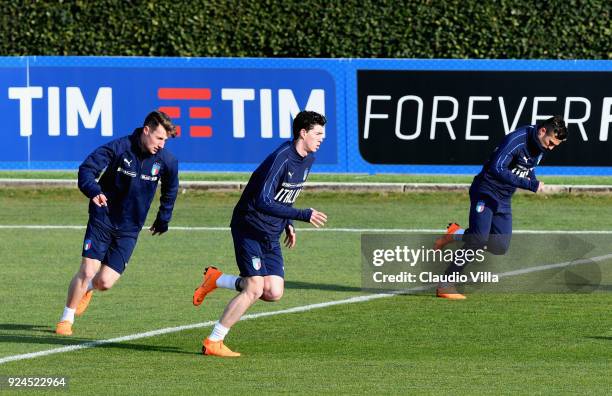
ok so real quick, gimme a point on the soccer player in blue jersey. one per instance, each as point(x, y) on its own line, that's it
point(118, 207)
point(263, 212)
point(511, 166)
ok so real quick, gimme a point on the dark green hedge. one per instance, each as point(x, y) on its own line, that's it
point(557, 29)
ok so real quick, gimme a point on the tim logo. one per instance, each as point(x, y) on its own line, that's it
point(240, 99)
point(77, 111)
point(225, 113)
point(196, 113)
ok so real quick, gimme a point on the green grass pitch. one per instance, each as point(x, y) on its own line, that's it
point(490, 343)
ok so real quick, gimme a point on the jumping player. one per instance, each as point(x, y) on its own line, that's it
point(511, 166)
point(120, 201)
point(264, 210)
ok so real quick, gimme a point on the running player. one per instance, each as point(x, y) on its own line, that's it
point(119, 203)
point(511, 166)
point(263, 212)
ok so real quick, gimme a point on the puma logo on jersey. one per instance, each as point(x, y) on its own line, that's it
point(129, 163)
point(290, 174)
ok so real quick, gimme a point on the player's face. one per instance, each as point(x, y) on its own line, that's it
point(548, 141)
point(313, 138)
point(153, 140)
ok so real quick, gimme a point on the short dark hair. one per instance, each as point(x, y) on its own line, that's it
point(157, 118)
point(555, 126)
point(307, 120)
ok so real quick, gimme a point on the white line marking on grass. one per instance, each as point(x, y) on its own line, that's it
point(169, 330)
point(41, 227)
point(94, 344)
point(347, 230)
point(303, 308)
point(557, 265)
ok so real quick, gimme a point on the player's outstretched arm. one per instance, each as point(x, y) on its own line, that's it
point(317, 219)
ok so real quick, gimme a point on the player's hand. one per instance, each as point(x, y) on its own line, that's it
point(159, 227)
point(317, 218)
point(290, 237)
point(99, 200)
point(540, 186)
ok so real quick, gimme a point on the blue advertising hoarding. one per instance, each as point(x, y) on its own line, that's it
point(233, 112)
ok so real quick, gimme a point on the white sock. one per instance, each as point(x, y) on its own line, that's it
point(68, 315)
point(90, 285)
point(218, 332)
point(227, 281)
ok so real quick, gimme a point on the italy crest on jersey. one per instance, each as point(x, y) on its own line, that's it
point(155, 169)
point(306, 174)
point(480, 206)
point(256, 261)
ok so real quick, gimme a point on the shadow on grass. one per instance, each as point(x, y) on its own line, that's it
point(584, 288)
point(347, 289)
point(321, 286)
point(149, 348)
point(28, 327)
point(69, 341)
point(604, 287)
point(609, 338)
point(42, 339)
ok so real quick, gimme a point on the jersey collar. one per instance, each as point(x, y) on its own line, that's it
point(534, 138)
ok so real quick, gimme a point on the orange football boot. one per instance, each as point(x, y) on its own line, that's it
point(447, 237)
point(64, 328)
point(211, 274)
point(217, 348)
point(84, 303)
point(450, 293)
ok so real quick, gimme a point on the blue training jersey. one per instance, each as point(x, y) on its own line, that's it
point(129, 182)
point(266, 205)
point(511, 166)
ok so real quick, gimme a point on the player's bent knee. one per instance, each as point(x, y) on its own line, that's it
point(253, 287)
point(103, 284)
point(272, 295)
point(253, 291)
point(498, 246)
point(89, 268)
point(498, 250)
point(254, 294)
point(474, 241)
point(87, 274)
point(273, 288)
